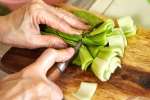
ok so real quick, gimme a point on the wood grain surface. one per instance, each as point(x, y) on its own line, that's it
point(132, 82)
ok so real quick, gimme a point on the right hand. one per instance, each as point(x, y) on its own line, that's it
point(21, 27)
point(31, 83)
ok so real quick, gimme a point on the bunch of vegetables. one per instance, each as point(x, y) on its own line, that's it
point(102, 46)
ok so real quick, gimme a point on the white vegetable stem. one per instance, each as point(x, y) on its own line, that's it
point(86, 91)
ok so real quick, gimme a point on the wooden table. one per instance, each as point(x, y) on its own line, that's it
point(132, 82)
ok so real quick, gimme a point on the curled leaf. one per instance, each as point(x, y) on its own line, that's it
point(86, 91)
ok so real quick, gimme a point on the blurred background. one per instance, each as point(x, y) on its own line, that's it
point(138, 9)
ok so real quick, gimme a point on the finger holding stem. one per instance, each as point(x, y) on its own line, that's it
point(40, 67)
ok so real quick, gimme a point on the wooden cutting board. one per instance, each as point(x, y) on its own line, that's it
point(132, 82)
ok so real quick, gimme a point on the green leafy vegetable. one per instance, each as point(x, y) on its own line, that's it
point(107, 54)
point(86, 91)
point(119, 51)
point(85, 57)
point(108, 25)
point(77, 60)
point(94, 50)
point(105, 64)
point(88, 17)
point(99, 39)
point(72, 40)
point(62, 34)
point(102, 46)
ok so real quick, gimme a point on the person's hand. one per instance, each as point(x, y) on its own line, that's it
point(21, 27)
point(31, 83)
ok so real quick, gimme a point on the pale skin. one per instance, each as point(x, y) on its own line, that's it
point(21, 29)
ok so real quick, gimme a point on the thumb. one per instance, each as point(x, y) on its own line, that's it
point(47, 59)
point(37, 41)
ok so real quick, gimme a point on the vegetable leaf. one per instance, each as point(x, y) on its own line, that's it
point(88, 17)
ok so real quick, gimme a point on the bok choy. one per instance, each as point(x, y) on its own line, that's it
point(105, 64)
point(102, 46)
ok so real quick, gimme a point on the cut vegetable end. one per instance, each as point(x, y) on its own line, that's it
point(98, 68)
point(85, 65)
point(86, 91)
point(103, 69)
point(117, 38)
point(130, 34)
point(127, 25)
point(106, 62)
point(85, 57)
point(113, 65)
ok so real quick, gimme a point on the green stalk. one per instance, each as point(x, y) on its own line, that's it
point(85, 57)
point(107, 54)
point(99, 39)
point(62, 34)
point(70, 39)
point(108, 25)
point(70, 42)
point(88, 17)
point(98, 67)
point(77, 60)
point(94, 50)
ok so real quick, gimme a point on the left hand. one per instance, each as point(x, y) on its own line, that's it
point(31, 83)
point(21, 27)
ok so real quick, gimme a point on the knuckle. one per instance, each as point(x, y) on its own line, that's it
point(35, 7)
point(53, 51)
point(30, 43)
